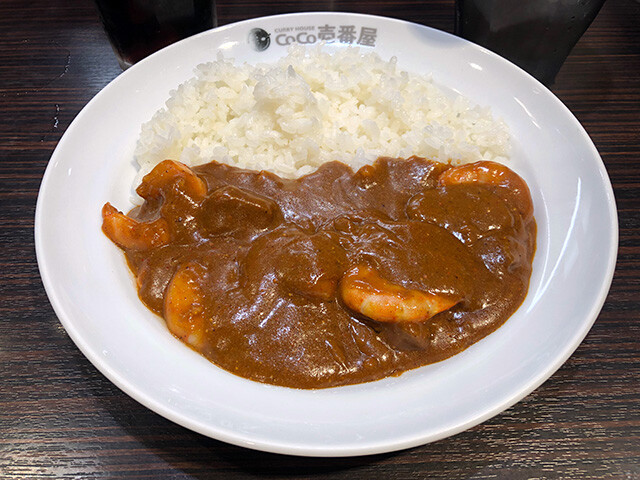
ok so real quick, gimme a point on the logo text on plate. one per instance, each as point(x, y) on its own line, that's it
point(349, 34)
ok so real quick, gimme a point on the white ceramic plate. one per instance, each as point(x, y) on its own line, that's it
point(94, 297)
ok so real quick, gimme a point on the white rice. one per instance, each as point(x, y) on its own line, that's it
point(311, 107)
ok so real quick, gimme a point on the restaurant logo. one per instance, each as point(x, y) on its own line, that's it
point(259, 39)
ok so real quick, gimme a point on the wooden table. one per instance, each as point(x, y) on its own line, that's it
point(60, 418)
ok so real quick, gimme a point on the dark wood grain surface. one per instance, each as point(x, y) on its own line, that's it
point(60, 418)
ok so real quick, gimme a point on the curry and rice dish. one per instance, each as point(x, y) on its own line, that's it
point(334, 278)
point(287, 244)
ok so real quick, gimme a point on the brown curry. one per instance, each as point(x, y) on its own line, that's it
point(334, 278)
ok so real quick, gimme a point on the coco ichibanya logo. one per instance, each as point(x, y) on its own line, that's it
point(260, 39)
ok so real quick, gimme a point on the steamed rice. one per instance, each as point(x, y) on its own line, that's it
point(312, 107)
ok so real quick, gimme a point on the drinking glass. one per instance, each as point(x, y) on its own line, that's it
point(137, 28)
point(536, 35)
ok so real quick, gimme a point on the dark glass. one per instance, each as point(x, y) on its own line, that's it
point(137, 28)
point(536, 35)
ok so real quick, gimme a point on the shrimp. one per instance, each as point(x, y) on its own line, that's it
point(131, 234)
point(494, 174)
point(184, 311)
point(168, 172)
point(363, 290)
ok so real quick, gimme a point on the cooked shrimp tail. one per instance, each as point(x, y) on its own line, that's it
point(170, 172)
point(364, 291)
point(131, 234)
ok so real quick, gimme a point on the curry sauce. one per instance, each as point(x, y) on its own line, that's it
point(335, 278)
